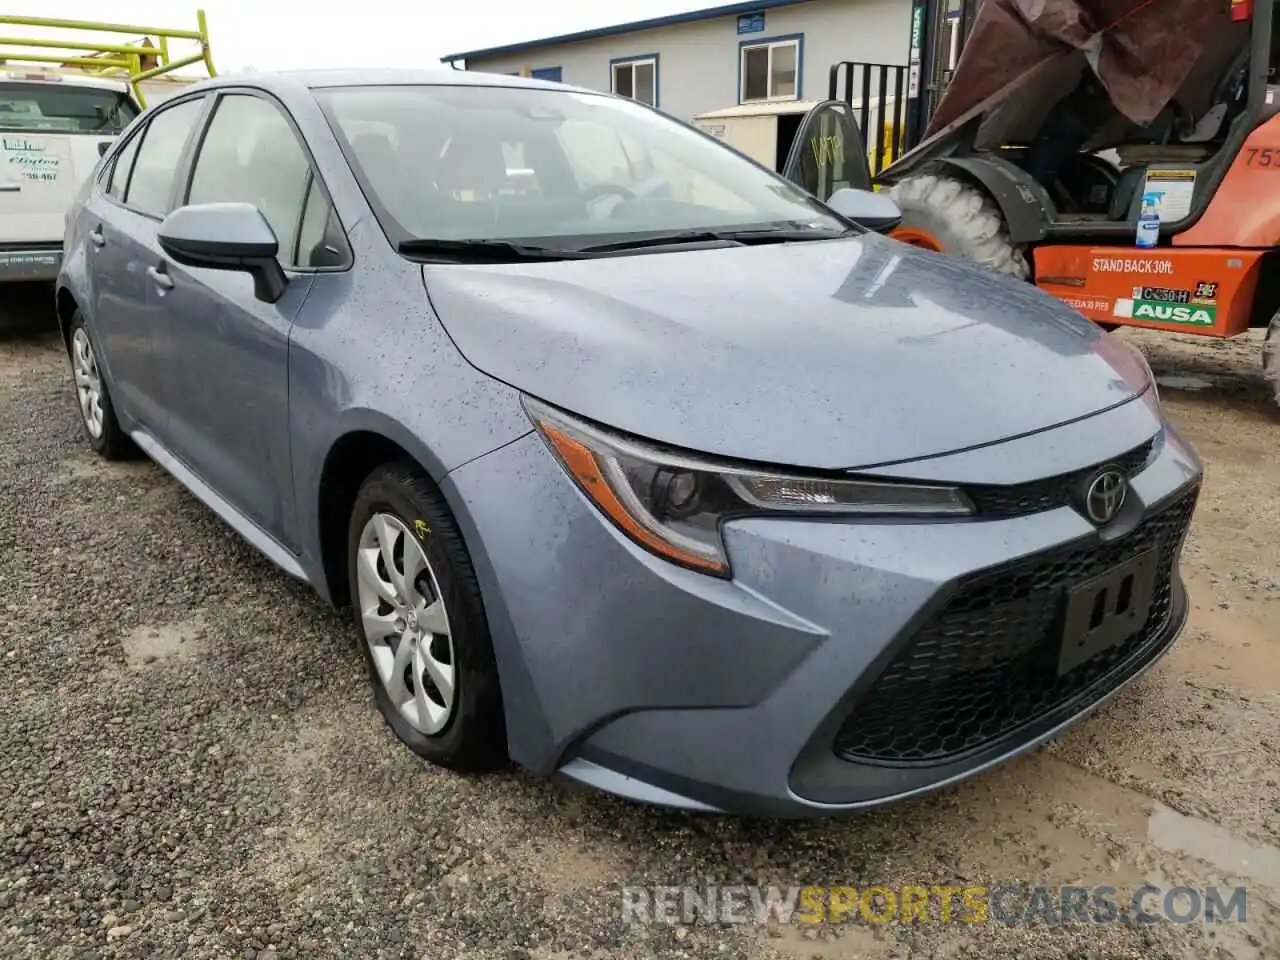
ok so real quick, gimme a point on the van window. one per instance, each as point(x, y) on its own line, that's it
point(58, 108)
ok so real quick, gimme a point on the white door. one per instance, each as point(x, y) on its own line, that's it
point(50, 140)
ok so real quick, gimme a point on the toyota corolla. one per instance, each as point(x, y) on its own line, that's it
point(632, 459)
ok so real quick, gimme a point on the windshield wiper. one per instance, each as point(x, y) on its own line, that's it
point(756, 235)
point(481, 251)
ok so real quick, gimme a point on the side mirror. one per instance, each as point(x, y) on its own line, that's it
point(226, 236)
point(875, 211)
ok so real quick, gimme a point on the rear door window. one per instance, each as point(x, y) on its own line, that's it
point(63, 108)
point(156, 167)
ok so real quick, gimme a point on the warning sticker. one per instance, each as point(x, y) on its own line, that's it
point(1176, 189)
point(1206, 293)
point(1132, 265)
point(1162, 294)
point(1090, 304)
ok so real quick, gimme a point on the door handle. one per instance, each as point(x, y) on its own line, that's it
point(97, 238)
point(160, 278)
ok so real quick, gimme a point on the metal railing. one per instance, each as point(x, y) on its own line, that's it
point(134, 61)
point(877, 94)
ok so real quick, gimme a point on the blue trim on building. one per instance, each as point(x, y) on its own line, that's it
point(553, 74)
point(640, 58)
point(675, 19)
point(764, 42)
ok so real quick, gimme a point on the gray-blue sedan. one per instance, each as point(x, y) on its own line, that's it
point(633, 460)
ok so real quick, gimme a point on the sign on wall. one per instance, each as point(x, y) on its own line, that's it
point(751, 23)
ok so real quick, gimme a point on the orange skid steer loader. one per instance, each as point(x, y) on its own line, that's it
point(1067, 121)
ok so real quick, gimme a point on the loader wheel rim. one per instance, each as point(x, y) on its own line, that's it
point(915, 237)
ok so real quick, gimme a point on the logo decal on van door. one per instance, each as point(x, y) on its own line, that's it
point(28, 160)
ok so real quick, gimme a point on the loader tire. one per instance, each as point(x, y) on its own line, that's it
point(1271, 356)
point(950, 216)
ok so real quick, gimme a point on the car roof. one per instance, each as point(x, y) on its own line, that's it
point(16, 73)
point(284, 80)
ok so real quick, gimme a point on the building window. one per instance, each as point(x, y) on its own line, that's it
point(637, 78)
point(771, 70)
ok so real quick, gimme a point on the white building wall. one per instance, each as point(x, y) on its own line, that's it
point(698, 63)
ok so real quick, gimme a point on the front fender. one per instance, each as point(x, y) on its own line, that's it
point(1025, 204)
point(367, 354)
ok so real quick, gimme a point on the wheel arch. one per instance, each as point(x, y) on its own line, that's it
point(1024, 204)
point(65, 305)
point(351, 457)
point(365, 441)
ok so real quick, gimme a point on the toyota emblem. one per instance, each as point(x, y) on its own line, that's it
point(1105, 495)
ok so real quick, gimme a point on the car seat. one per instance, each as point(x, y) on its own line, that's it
point(473, 168)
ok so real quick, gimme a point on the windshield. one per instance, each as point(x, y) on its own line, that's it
point(53, 108)
point(558, 167)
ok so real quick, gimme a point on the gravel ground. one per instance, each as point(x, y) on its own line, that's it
point(191, 763)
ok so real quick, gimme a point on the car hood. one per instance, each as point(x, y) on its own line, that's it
point(831, 354)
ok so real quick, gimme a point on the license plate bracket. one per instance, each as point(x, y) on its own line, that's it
point(1107, 610)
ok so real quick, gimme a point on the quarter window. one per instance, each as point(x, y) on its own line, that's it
point(771, 70)
point(320, 239)
point(637, 79)
point(121, 167)
point(156, 166)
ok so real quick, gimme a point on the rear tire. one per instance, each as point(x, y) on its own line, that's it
point(955, 218)
point(1271, 356)
point(93, 398)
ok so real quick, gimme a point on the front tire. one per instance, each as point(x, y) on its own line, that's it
point(1271, 356)
point(953, 217)
point(93, 399)
point(416, 602)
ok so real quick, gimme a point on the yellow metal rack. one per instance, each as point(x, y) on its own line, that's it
point(134, 61)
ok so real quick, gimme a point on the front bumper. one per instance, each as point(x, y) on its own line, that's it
point(667, 686)
point(25, 262)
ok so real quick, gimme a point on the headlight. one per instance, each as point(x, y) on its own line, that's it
point(673, 504)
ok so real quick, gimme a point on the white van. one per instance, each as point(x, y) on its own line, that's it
point(54, 127)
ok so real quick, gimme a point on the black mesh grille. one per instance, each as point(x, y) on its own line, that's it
point(1052, 492)
point(987, 664)
point(28, 247)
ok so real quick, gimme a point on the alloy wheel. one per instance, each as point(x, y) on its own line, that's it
point(84, 364)
point(405, 623)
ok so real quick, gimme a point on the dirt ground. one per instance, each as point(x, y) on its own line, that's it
point(191, 763)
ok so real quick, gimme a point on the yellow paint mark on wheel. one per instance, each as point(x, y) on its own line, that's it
point(421, 527)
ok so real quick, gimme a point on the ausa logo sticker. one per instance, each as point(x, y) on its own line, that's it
point(1163, 311)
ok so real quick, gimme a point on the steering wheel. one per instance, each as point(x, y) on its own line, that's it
point(599, 190)
point(1182, 122)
